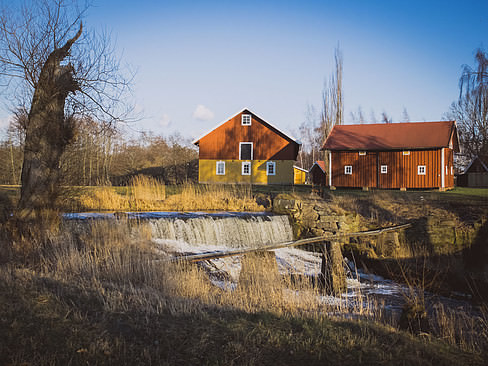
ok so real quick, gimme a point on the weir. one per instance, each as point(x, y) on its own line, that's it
point(200, 236)
point(227, 229)
point(231, 231)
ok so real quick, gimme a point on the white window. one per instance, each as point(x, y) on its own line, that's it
point(246, 168)
point(362, 153)
point(452, 170)
point(245, 151)
point(246, 120)
point(384, 169)
point(348, 169)
point(447, 172)
point(421, 169)
point(270, 168)
point(406, 152)
point(220, 169)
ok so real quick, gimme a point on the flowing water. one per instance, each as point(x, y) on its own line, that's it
point(200, 232)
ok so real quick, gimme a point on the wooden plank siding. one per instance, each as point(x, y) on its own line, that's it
point(317, 176)
point(268, 143)
point(449, 162)
point(402, 170)
point(362, 169)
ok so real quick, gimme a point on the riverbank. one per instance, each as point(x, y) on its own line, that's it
point(445, 249)
point(106, 297)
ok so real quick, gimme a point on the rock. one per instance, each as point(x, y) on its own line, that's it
point(284, 206)
point(414, 318)
point(263, 200)
point(309, 216)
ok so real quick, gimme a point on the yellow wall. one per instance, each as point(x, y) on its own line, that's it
point(300, 176)
point(207, 172)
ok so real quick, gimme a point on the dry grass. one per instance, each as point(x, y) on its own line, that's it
point(148, 194)
point(213, 197)
point(103, 296)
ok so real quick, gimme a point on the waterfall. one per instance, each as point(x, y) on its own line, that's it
point(234, 231)
point(223, 229)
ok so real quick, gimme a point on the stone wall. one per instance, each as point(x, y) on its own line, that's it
point(453, 251)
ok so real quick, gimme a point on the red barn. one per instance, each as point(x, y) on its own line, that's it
point(246, 149)
point(392, 155)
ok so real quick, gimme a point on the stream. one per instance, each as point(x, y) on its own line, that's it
point(176, 233)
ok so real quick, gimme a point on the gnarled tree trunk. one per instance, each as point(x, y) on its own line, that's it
point(48, 133)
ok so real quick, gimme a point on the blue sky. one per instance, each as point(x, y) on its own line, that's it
point(199, 62)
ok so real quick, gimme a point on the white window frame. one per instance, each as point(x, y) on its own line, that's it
point(384, 169)
point(271, 164)
point(421, 170)
point(246, 119)
point(452, 170)
point(348, 169)
point(222, 164)
point(447, 171)
point(406, 152)
point(362, 153)
point(252, 150)
point(246, 164)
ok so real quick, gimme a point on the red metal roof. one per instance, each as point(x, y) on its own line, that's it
point(320, 164)
point(393, 136)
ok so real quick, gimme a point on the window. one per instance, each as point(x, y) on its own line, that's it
point(447, 171)
point(452, 170)
point(220, 169)
point(406, 152)
point(246, 120)
point(246, 168)
point(362, 153)
point(421, 169)
point(384, 169)
point(245, 151)
point(348, 169)
point(270, 168)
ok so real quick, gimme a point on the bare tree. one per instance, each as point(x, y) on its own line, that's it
point(385, 118)
point(55, 70)
point(471, 109)
point(332, 98)
point(358, 116)
point(311, 138)
point(332, 101)
point(405, 116)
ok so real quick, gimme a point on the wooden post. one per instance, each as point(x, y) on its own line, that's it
point(332, 278)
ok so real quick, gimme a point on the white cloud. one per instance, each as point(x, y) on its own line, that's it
point(202, 113)
point(165, 120)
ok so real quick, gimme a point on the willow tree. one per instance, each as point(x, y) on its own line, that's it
point(471, 109)
point(57, 71)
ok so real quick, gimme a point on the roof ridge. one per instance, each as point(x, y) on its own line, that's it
point(195, 141)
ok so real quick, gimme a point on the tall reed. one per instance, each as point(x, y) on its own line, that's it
point(148, 194)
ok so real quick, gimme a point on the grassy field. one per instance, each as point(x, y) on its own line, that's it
point(148, 194)
point(105, 297)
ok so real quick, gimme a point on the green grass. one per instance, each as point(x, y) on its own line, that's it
point(461, 192)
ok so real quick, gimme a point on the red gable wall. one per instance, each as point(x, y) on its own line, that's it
point(268, 144)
